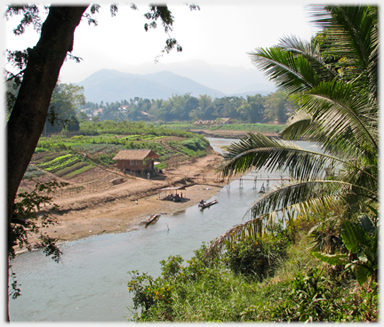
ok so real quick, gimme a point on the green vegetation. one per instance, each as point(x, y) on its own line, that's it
point(337, 110)
point(129, 128)
point(179, 108)
point(258, 128)
point(65, 155)
point(62, 109)
point(33, 172)
point(258, 271)
point(267, 279)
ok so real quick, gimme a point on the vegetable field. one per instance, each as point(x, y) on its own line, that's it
point(87, 159)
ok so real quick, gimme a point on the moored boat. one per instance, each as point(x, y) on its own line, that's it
point(207, 204)
point(152, 219)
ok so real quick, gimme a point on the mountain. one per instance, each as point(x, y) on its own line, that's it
point(111, 85)
point(230, 80)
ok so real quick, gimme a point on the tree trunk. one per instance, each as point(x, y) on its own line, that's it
point(30, 111)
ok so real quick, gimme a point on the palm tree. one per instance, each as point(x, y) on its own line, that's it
point(334, 87)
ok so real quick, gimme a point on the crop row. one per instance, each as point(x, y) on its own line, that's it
point(97, 148)
point(32, 172)
point(73, 168)
point(78, 171)
point(54, 162)
point(58, 162)
point(67, 164)
point(43, 157)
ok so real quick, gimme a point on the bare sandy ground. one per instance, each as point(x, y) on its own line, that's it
point(116, 210)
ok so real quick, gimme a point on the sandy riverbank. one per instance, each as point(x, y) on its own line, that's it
point(115, 210)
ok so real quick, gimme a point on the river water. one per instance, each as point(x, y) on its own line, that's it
point(90, 282)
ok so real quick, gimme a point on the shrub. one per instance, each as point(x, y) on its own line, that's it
point(196, 143)
point(257, 257)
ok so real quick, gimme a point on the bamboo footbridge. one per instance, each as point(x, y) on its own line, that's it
point(206, 179)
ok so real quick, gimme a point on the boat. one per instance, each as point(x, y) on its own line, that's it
point(207, 204)
point(262, 189)
point(152, 219)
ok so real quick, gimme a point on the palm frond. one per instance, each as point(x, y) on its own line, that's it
point(310, 53)
point(289, 201)
point(296, 126)
point(290, 71)
point(351, 29)
point(259, 225)
point(302, 192)
point(257, 151)
point(337, 107)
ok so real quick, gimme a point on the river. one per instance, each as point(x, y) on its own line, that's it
point(90, 282)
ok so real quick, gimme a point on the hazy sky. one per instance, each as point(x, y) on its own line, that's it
point(218, 34)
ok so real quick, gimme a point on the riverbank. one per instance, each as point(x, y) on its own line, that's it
point(124, 207)
point(228, 134)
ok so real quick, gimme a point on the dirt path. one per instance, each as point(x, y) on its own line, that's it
point(116, 210)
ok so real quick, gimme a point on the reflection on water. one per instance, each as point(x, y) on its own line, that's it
point(90, 283)
point(179, 212)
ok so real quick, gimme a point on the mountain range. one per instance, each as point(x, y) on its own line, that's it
point(197, 79)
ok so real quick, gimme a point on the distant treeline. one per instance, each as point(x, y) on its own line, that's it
point(252, 109)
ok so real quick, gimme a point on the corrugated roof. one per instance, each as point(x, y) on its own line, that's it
point(133, 155)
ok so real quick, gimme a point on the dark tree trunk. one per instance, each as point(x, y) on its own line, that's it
point(30, 111)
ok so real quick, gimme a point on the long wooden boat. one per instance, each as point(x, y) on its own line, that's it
point(207, 204)
point(152, 219)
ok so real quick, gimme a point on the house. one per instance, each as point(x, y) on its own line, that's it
point(123, 108)
point(136, 160)
point(223, 121)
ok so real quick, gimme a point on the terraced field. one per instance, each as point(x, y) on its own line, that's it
point(85, 162)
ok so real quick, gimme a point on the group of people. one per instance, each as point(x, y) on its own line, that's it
point(174, 197)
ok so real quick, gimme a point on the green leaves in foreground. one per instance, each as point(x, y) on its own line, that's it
point(361, 240)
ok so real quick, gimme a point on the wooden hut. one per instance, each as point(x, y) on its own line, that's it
point(136, 160)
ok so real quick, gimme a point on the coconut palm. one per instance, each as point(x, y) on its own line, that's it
point(333, 83)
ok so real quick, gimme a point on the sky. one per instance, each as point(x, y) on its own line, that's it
point(219, 34)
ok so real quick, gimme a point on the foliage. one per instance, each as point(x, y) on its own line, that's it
point(337, 109)
point(253, 108)
point(205, 290)
point(361, 240)
point(186, 108)
point(260, 128)
point(129, 128)
point(196, 143)
point(28, 218)
point(276, 106)
point(32, 172)
point(201, 291)
point(257, 257)
point(66, 98)
point(38, 68)
point(25, 219)
point(314, 297)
